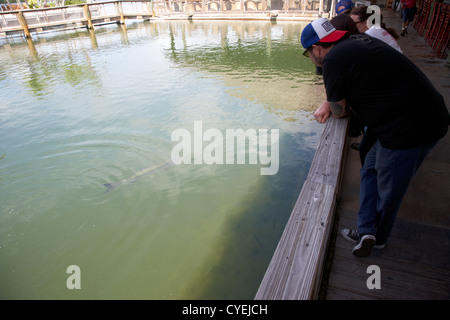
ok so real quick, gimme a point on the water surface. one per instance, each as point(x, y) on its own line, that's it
point(83, 109)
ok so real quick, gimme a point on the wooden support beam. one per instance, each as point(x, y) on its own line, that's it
point(120, 12)
point(263, 5)
point(23, 24)
point(87, 15)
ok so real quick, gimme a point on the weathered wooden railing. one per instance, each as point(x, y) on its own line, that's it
point(295, 271)
point(239, 5)
point(87, 15)
point(73, 16)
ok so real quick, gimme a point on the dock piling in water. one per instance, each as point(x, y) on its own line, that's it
point(87, 15)
point(23, 23)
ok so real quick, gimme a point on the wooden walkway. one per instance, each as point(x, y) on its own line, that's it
point(29, 21)
point(26, 22)
point(414, 265)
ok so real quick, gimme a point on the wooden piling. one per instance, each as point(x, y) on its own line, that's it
point(87, 15)
point(120, 12)
point(23, 24)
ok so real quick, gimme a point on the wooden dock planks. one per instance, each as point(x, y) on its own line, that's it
point(413, 265)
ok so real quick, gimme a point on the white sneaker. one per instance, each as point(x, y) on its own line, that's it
point(353, 236)
point(364, 246)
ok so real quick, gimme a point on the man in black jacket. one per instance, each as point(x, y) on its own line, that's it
point(395, 101)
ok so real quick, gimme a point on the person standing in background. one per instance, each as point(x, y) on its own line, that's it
point(379, 31)
point(408, 13)
point(344, 6)
point(345, 23)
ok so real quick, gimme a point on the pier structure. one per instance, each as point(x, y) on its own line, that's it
point(33, 21)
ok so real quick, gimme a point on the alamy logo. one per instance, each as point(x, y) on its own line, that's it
point(374, 280)
point(375, 18)
point(228, 148)
point(74, 280)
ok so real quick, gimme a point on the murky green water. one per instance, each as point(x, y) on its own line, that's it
point(83, 109)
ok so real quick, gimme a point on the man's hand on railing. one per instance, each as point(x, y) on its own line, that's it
point(323, 112)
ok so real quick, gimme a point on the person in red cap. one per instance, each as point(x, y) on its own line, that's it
point(398, 104)
point(319, 31)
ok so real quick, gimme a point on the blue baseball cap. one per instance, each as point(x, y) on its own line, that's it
point(320, 30)
point(347, 4)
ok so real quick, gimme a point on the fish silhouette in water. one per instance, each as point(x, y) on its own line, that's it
point(143, 172)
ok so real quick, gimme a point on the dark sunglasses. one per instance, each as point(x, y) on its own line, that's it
point(306, 52)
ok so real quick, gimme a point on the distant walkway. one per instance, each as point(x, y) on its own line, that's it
point(35, 21)
point(416, 262)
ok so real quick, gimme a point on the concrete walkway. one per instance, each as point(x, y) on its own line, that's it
point(416, 261)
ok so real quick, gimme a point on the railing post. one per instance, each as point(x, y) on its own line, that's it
point(23, 24)
point(87, 15)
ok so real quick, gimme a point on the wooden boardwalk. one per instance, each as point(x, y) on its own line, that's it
point(35, 21)
point(414, 265)
point(26, 22)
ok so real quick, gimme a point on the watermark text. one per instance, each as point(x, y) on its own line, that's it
point(235, 146)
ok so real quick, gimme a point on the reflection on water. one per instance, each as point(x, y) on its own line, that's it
point(86, 110)
point(257, 61)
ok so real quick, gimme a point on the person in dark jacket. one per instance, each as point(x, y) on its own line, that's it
point(395, 101)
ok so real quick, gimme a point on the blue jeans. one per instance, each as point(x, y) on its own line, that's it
point(385, 177)
point(409, 13)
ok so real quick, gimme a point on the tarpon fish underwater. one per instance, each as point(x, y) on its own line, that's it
point(143, 172)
